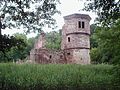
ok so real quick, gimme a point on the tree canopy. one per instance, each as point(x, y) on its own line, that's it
point(6, 42)
point(17, 51)
point(105, 39)
point(29, 14)
point(108, 11)
point(53, 40)
point(32, 15)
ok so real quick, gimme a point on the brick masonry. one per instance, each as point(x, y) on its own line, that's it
point(75, 43)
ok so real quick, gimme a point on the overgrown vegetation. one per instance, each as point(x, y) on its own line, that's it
point(20, 50)
point(30, 15)
point(105, 44)
point(53, 40)
point(51, 76)
point(107, 35)
point(105, 39)
point(105, 48)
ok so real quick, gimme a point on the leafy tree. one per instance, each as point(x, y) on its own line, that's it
point(18, 52)
point(14, 44)
point(108, 11)
point(29, 14)
point(53, 40)
point(93, 41)
point(6, 42)
point(108, 41)
point(95, 54)
point(30, 44)
point(32, 15)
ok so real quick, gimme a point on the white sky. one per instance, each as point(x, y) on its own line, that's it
point(66, 7)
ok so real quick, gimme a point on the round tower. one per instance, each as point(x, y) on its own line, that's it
point(76, 38)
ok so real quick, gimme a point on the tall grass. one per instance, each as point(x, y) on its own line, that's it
point(55, 76)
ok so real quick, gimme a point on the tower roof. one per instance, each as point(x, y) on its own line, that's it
point(76, 15)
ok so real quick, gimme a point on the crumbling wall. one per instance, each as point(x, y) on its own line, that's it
point(45, 56)
point(75, 43)
point(40, 42)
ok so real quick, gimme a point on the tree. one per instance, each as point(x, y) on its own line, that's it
point(30, 45)
point(6, 42)
point(108, 11)
point(32, 15)
point(18, 52)
point(109, 35)
point(16, 49)
point(108, 48)
point(29, 14)
point(53, 40)
point(109, 41)
point(93, 41)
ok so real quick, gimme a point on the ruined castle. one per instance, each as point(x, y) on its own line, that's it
point(75, 45)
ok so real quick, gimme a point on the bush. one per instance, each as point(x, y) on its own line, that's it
point(52, 76)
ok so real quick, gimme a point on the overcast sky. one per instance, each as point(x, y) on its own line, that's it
point(66, 7)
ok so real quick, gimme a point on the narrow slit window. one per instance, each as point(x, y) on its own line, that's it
point(50, 56)
point(83, 24)
point(79, 24)
point(68, 39)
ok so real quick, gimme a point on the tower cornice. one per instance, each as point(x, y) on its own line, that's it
point(76, 15)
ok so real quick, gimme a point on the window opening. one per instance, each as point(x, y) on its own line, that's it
point(83, 24)
point(50, 56)
point(68, 39)
point(79, 24)
point(68, 53)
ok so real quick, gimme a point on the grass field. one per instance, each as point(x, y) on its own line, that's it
point(55, 76)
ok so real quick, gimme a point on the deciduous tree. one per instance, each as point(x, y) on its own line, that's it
point(108, 11)
point(31, 15)
point(107, 34)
